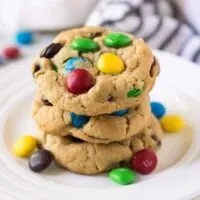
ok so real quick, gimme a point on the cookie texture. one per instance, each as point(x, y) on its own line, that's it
point(113, 88)
point(92, 107)
point(98, 129)
point(87, 158)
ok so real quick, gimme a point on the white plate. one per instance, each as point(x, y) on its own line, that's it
point(177, 175)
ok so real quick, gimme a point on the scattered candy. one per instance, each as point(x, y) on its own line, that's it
point(79, 120)
point(116, 40)
point(24, 37)
point(110, 63)
point(135, 92)
point(84, 45)
point(40, 160)
point(158, 109)
point(2, 61)
point(144, 161)
point(11, 52)
point(120, 112)
point(25, 145)
point(76, 62)
point(51, 50)
point(122, 176)
point(172, 123)
point(79, 81)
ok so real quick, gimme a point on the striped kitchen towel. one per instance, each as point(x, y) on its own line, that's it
point(160, 22)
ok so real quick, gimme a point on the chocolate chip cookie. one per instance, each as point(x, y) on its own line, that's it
point(105, 128)
point(87, 158)
point(92, 71)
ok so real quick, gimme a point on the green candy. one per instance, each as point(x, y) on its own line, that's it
point(117, 40)
point(84, 45)
point(122, 176)
point(135, 92)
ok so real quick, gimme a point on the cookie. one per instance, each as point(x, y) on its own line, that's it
point(96, 129)
point(87, 158)
point(93, 71)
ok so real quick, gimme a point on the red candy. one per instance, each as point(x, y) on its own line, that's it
point(11, 52)
point(144, 161)
point(79, 81)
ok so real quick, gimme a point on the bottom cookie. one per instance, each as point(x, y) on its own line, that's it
point(87, 158)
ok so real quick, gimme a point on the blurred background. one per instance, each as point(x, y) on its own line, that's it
point(169, 25)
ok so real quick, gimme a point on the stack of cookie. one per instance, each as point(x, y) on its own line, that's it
point(92, 106)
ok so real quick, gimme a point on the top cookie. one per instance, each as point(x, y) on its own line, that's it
point(92, 71)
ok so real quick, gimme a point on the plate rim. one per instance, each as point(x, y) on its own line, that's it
point(157, 53)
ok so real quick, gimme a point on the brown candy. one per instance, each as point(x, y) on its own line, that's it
point(51, 50)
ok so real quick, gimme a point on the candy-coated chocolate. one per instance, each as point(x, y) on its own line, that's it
point(144, 161)
point(24, 37)
point(40, 160)
point(172, 123)
point(110, 63)
point(122, 176)
point(51, 50)
point(158, 109)
point(24, 146)
point(2, 61)
point(79, 120)
point(134, 92)
point(120, 112)
point(79, 81)
point(75, 62)
point(84, 45)
point(11, 52)
point(117, 40)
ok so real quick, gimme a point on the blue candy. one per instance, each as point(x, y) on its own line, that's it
point(79, 120)
point(158, 109)
point(74, 63)
point(24, 37)
point(1, 60)
point(120, 112)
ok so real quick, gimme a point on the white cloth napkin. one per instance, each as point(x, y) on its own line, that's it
point(171, 25)
point(160, 22)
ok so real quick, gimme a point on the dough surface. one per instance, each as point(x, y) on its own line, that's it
point(99, 129)
point(87, 158)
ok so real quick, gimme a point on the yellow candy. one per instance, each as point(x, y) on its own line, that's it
point(172, 123)
point(110, 63)
point(24, 146)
